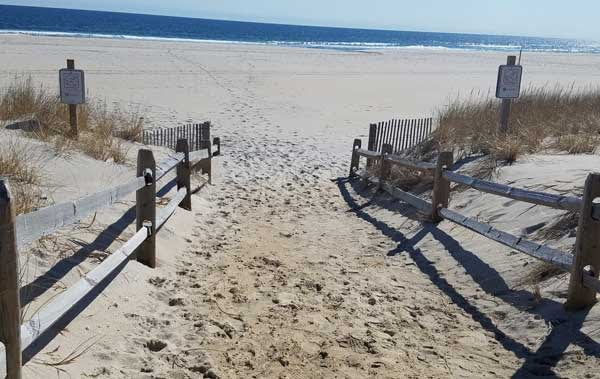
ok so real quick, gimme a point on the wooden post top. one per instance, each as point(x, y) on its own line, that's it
point(441, 186)
point(5, 195)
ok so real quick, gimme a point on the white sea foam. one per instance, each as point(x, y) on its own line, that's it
point(587, 48)
point(114, 36)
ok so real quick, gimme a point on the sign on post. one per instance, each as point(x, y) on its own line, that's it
point(72, 86)
point(509, 81)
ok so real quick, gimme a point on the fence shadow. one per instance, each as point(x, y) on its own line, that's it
point(48, 336)
point(41, 284)
point(103, 240)
point(565, 326)
point(167, 187)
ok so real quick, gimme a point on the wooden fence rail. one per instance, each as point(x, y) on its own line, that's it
point(15, 232)
point(584, 265)
point(555, 257)
point(567, 203)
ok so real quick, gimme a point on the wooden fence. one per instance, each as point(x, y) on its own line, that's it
point(16, 232)
point(198, 136)
point(400, 134)
point(583, 265)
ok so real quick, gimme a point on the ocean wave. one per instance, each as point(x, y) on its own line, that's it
point(344, 45)
point(114, 36)
point(333, 44)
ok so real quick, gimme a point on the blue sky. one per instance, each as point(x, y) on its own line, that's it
point(547, 18)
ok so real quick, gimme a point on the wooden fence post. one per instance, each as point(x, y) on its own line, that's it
point(386, 167)
point(207, 126)
point(205, 143)
point(587, 248)
point(10, 305)
point(441, 185)
point(506, 103)
point(371, 143)
point(183, 174)
point(217, 142)
point(74, 130)
point(145, 206)
point(355, 161)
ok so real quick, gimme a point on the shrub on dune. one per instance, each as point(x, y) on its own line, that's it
point(17, 165)
point(101, 129)
point(550, 119)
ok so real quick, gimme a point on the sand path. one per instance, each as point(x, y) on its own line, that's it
point(292, 273)
point(291, 278)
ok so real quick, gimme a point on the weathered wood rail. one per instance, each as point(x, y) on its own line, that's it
point(17, 232)
point(567, 203)
point(583, 265)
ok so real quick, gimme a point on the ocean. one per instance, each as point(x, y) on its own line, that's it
point(77, 23)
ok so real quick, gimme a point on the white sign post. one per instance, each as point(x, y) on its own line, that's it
point(509, 82)
point(72, 87)
point(72, 92)
point(508, 87)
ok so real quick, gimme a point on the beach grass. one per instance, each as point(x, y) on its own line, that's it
point(102, 129)
point(553, 119)
point(23, 174)
point(548, 119)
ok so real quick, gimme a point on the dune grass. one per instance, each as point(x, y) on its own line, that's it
point(22, 172)
point(555, 119)
point(548, 119)
point(544, 119)
point(102, 129)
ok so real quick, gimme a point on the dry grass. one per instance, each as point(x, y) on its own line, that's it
point(556, 119)
point(577, 143)
point(131, 125)
point(545, 119)
point(22, 99)
point(17, 165)
point(97, 139)
point(538, 273)
point(101, 129)
point(410, 180)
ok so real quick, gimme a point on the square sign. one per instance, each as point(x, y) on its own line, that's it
point(72, 86)
point(509, 82)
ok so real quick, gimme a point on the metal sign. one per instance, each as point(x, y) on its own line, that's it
point(509, 81)
point(72, 86)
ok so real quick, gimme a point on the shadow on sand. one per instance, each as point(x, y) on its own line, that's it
point(101, 243)
point(565, 326)
point(40, 285)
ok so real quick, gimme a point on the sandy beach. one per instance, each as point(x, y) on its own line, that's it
point(281, 271)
